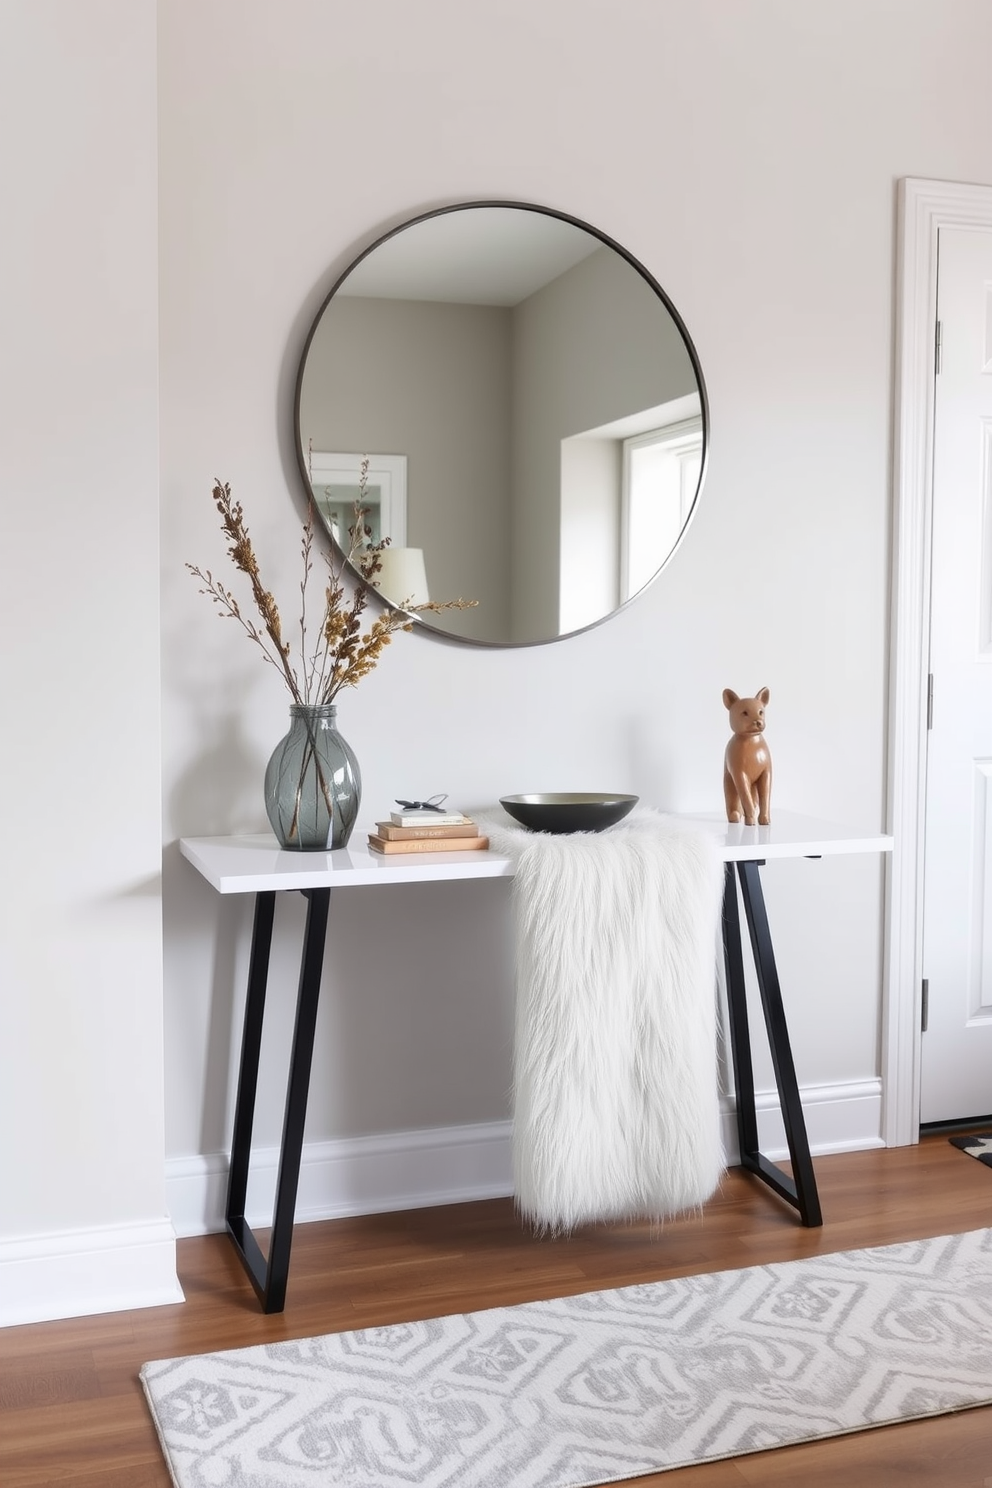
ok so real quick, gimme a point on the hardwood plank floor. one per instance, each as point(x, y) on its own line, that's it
point(72, 1413)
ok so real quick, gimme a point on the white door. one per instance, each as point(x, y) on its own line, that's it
point(957, 923)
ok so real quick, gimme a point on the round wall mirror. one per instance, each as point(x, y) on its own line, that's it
point(532, 412)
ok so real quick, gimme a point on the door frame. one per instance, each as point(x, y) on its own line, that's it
point(924, 207)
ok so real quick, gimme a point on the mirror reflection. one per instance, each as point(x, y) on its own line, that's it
point(531, 409)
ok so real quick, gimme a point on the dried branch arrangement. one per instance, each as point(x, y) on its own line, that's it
point(342, 653)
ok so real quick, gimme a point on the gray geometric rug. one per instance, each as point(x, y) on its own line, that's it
point(590, 1389)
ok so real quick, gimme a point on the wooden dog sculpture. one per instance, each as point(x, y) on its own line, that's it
point(747, 766)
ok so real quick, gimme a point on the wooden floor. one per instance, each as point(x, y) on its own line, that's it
point(72, 1412)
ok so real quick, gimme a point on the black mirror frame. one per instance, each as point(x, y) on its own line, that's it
point(422, 624)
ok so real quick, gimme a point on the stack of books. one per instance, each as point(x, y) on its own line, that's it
point(425, 831)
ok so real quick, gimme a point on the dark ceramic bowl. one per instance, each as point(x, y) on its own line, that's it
point(569, 811)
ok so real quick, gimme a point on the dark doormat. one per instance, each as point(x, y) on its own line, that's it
point(978, 1144)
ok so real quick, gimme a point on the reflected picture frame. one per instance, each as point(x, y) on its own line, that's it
point(334, 478)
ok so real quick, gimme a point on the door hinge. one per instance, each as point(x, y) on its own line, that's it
point(925, 1005)
point(938, 348)
point(930, 700)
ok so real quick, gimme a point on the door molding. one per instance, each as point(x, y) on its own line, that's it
point(924, 207)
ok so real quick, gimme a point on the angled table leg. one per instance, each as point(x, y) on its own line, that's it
point(800, 1189)
point(269, 1277)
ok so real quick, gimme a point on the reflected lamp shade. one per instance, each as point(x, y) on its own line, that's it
point(403, 577)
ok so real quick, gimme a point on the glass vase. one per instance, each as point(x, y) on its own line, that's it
point(313, 786)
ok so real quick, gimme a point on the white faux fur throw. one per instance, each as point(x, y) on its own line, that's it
point(616, 1103)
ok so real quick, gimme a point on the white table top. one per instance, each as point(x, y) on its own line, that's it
point(248, 865)
point(789, 836)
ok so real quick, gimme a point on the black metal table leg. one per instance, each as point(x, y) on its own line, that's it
point(269, 1277)
point(740, 1033)
point(251, 1043)
point(800, 1189)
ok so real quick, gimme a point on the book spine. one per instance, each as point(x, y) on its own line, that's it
point(429, 844)
point(411, 834)
point(427, 819)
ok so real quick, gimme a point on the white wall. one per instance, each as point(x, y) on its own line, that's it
point(748, 158)
point(589, 570)
point(83, 1225)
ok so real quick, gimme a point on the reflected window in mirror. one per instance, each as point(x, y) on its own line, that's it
point(508, 356)
point(661, 472)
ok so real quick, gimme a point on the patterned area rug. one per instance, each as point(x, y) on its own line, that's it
point(978, 1144)
point(590, 1389)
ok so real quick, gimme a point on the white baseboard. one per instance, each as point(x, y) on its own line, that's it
point(82, 1272)
point(75, 1273)
point(456, 1164)
point(839, 1118)
point(351, 1175)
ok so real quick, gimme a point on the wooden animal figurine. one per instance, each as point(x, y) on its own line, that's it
point(747, 765)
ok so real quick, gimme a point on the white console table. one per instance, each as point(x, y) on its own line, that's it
point(256, 865)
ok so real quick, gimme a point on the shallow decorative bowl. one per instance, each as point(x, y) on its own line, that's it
point(569, 811)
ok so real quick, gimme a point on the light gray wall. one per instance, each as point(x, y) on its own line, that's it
point(604, 345)
point(432, 382)
point(772, 228)
point(594, 345)
point(81, 1082)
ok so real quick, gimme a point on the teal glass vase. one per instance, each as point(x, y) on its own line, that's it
point(313, 786)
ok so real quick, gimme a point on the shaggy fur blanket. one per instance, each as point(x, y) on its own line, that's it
point(615, 1084)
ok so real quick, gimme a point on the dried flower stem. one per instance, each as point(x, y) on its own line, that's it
point(342, 654)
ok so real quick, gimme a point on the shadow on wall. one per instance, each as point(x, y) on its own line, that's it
point(204, 982)
point(220, 789)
